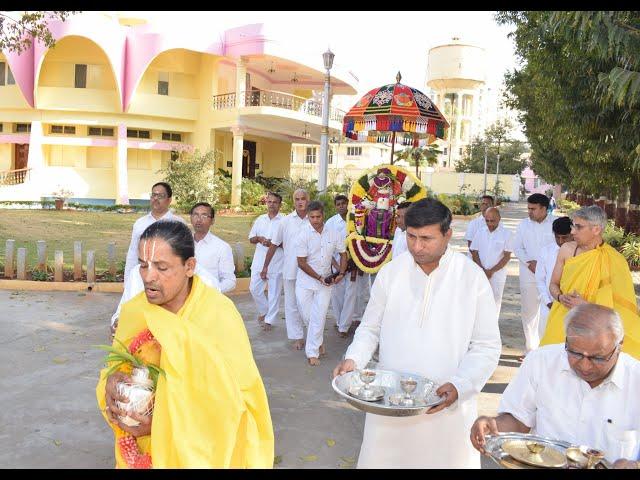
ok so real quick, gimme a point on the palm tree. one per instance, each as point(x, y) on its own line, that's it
point(418, 156)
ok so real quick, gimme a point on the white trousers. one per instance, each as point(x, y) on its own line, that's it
point(497, 282)
point(313, 306)
point(542, 322)
point(362, 297)
point(530, 307)
point(267, 306)
point(295, 327)
point(343, 302)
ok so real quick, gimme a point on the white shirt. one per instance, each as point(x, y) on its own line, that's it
point(135, 285)
point(285, 234)
point(265, 227)
point(544, 270)
point(530, 237)
point(216, 257)
point(318, 248)
point(399, 244)
point(492, 245)
point(139, 227)
point(549, 397)
point(443, 326)
point(475, 225)
point(338, 224)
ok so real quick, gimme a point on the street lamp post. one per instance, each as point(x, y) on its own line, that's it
point(327, 57)
point(484, 191)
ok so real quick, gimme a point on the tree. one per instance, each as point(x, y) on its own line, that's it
point(419, 156)
point(496, 141)
point(17, 35)
point(193, 179)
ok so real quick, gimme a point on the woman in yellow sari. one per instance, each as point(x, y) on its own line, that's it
point(590, 270)
point(210, 407)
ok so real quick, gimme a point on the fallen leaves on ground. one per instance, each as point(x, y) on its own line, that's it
point(39, 348)
point(330, 442)
point(59, 360)
point(309, 458)
point(277, 459)
point(57, 443)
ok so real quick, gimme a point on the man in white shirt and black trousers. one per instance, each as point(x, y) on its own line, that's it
point(315, 247)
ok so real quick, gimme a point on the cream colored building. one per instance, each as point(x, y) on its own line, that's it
point(117, 98)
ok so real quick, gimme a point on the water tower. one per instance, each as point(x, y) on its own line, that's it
point(456, 74)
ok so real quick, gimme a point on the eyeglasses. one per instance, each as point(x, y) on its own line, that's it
point(200, 215)
point(159, 196)
point(598, 360)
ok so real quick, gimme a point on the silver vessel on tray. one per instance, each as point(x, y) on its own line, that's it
point(386, 392)
point(532, 450)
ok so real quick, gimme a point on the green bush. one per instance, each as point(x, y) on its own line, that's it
point(459, 204)
point(613, 235)
point(631, 250)
point(567, 206)
point(253, 193)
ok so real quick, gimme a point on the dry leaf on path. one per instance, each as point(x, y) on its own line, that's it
point(309, 458)
point(330, 442)
point(59, 360)
point(277, 459)
point(57, 443)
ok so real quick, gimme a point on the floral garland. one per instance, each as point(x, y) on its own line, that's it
point(369, 252)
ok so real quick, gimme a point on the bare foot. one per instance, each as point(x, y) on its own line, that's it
point(322, 351)
point(267, 327)
point(313, 361)
point(298, 344)
point(343, 334)
point(261, 319)
point(336, 326)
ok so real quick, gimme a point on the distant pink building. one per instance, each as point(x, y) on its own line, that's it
point(533, 183)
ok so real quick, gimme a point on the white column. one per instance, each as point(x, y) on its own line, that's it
point(459, 118)
point(35, 161)
point(122, 178)
point(323, 164)
point(236, 169)
point(241, 82)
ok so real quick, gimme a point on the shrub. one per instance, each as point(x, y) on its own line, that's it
point(613, 235)
point(567, 206)
point(631, 250)
point(253, 193)
point(459, 204)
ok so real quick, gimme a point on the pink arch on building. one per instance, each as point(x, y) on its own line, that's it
point(21, 66)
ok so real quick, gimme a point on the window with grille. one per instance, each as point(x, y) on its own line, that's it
point(1, 127)
point(172, 136)
point(101, 131)
point(330, 155)
point(460, 151)
point(23, 127)
point(68, 129)
point(354, 151)
point(310, 156)
point(445, 150)
point(132, 133)
point(163, 83)
point(81, 76)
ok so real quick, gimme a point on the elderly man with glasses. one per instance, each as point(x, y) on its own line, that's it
point(584, 391)
point(160, 199)
point(590, 270)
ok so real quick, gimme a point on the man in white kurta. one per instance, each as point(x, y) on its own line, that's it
point(399, 244)
point(491, 250)
point(544, 267)
point(212, 253)
point(343, 295)
point(442, 325)
point(284, 239)
point(584, 392)
point(531, 235)
point(260, 234)
point(315, 248)
point(160, 200)
point(478, 223)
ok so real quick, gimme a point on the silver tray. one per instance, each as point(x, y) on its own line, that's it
point(494, 450)
point(390, 381)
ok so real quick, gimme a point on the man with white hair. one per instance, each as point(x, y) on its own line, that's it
point(584, 392)
point(478, 223)
point(590, 270)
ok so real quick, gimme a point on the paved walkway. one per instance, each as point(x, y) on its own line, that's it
point(48, 372)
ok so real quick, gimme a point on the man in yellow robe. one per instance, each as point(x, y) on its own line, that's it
point(211, 408)
point(590, 270)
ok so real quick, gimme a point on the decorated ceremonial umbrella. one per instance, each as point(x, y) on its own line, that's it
point(371, 223)
point(395, 109)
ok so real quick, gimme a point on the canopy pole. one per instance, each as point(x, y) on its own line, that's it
point(393, 145)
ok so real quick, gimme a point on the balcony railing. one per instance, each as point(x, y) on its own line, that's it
point(14, 177)
point(268, 98)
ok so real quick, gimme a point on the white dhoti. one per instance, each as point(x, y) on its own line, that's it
point(530, 307)
point(293, 320)
point(497, 282)
point(343, 302)
point(266, 305)
point(362, 297)
point(542, 319)
point(313, 306)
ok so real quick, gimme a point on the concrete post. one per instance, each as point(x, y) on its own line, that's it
point(238, 253)
point(59, 263)
point(42, 255)
point(91, 266)
point(9, 258)
point(236, 169)
point(111, 253)
point(77, 260)
point(22, 263)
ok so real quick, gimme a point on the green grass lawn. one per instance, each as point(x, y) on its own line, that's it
point(96, 230)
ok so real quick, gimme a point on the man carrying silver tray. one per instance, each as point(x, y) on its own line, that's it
point(432, 312)
point(584, 392)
